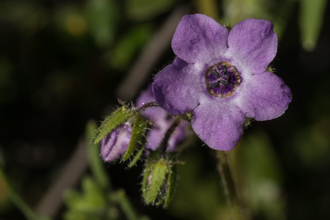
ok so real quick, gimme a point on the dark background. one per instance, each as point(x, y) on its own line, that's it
point(63, 63)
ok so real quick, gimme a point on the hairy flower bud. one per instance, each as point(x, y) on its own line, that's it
point(159, 180)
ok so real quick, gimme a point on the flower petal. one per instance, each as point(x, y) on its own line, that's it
point(199, 38)
point(176, 87)
point(265, 96)
point(153, 113)
point(145, 97)
point(252, 44)
point(220, 127)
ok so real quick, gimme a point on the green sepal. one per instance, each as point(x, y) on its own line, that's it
point(138, 135)
point(112, 121)
point(247, 122)
point(136, 157)
point(147, 170)
point(188, 116)
point(171, 183)
point(153, 180)
point(159, 180)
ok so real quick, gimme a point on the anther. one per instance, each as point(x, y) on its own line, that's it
point(224, 69)
point(215, 73)
point(225, 82)
point(222, 80)
point(214, 85)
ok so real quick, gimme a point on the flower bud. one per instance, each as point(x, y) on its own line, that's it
point(116, 142)
point(159, 181)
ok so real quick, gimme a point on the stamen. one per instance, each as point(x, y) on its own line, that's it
point(215, 73)
point(227, 81)
point(214, 85)
point(224, 69)
point(222, 80)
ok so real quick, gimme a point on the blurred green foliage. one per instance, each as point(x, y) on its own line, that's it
point(201, 188)
point(260, 175)
point(311, 20)
point(89, 204)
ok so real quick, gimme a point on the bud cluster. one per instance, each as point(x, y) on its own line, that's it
point(149, 133)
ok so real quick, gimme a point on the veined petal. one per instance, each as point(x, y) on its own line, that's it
point(252, 44)
point(199, 38)
point(176, 87)
point(265, 96)
point(220, 127)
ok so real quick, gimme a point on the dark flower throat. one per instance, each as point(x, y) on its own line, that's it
point(222, 80)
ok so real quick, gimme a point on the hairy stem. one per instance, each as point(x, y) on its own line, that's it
point(148, 105)
point(229, 185)
point(164, 143)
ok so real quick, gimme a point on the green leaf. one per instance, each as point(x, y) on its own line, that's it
point(311, 20)
point(138, 135)
point(94, 156)
point(111, 122)
point(155, 180)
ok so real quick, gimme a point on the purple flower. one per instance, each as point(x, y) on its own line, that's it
point(221, 77)
point(115, 144)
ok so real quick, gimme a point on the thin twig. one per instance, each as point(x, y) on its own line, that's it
point(169, 132)
point(71, 173)
point(150, 56)
point(148, 105)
